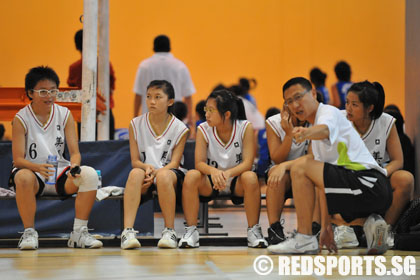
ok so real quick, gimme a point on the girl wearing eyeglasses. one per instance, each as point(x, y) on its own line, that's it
point(224, 154)
point(41, 129)
point(157, 141)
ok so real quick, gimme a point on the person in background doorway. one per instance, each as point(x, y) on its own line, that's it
point(75, 80)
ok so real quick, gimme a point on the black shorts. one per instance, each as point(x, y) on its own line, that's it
point(152, 190)
point(288, 193)
point(59, 186)
point(235, 199)
point(356, 194)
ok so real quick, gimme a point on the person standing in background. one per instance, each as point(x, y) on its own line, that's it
point(339, 90)
point(318, 79)
point(164, 66)
point(244, 84)
point(200, 114)
point(75, 80)
point(252, 114)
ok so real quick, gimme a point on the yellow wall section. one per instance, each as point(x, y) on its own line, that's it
point(219, 40)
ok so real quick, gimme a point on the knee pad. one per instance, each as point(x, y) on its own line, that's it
point(88, 180)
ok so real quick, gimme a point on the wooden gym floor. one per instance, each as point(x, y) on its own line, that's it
point(149, 262)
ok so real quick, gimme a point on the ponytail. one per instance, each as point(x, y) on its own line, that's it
point(241, 109)
point(227, 101)
point(379, 107)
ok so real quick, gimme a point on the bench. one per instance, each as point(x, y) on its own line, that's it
point(113, 158)
point(54, 216)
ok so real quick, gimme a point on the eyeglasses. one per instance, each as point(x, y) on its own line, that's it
point(45, 92)
point(209, 109)
point(297, 98)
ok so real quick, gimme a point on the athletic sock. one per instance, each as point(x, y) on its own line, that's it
point(78, 224)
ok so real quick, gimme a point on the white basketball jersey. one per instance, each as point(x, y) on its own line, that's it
point(376, 136)
point(157, 149)
point(224, 156)
point(297, 149)
point(46, 139)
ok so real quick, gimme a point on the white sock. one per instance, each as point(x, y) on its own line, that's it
point(29, 229)
point(78, 224)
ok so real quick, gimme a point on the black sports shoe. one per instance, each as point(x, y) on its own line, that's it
point(360, 234)
point(316, 228)
point(275, 234)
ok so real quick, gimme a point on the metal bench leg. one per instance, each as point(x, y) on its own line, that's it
point(122, 215)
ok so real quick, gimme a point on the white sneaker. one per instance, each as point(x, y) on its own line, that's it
point(129, 240)
point(345, 237)
point(297, 244)
point(376, 231)
point(168, 239)
point(83, 239)
point(190, 239)
point(28, 240)
point(256, 238)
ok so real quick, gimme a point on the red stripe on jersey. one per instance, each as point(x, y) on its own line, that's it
point(167, 128)
point(215, 136)
point(233, 137)
point(150, 129)
point(65, 118)
point(135, 129)
point(52, 117)
point(180, 135)
point(273, 127)
point(33, 115)
point(25, 124)
point(244, 128)
point(61, 174)
point(204, 133)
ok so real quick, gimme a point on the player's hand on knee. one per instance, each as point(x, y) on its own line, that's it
point(276, 175)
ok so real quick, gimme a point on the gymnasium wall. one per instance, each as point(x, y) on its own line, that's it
point(219, 40)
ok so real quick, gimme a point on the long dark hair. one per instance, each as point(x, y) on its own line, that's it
point(227, 101)
point(370, 94)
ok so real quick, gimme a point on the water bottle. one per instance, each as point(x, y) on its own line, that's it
point(52, 159)
point(99, 179)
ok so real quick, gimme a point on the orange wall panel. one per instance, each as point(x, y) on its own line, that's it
point(270, 40)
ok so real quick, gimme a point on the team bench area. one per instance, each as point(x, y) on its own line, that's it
point(54, 216)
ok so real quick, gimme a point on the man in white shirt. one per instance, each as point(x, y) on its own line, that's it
point(163, 66)
point(341, 172)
